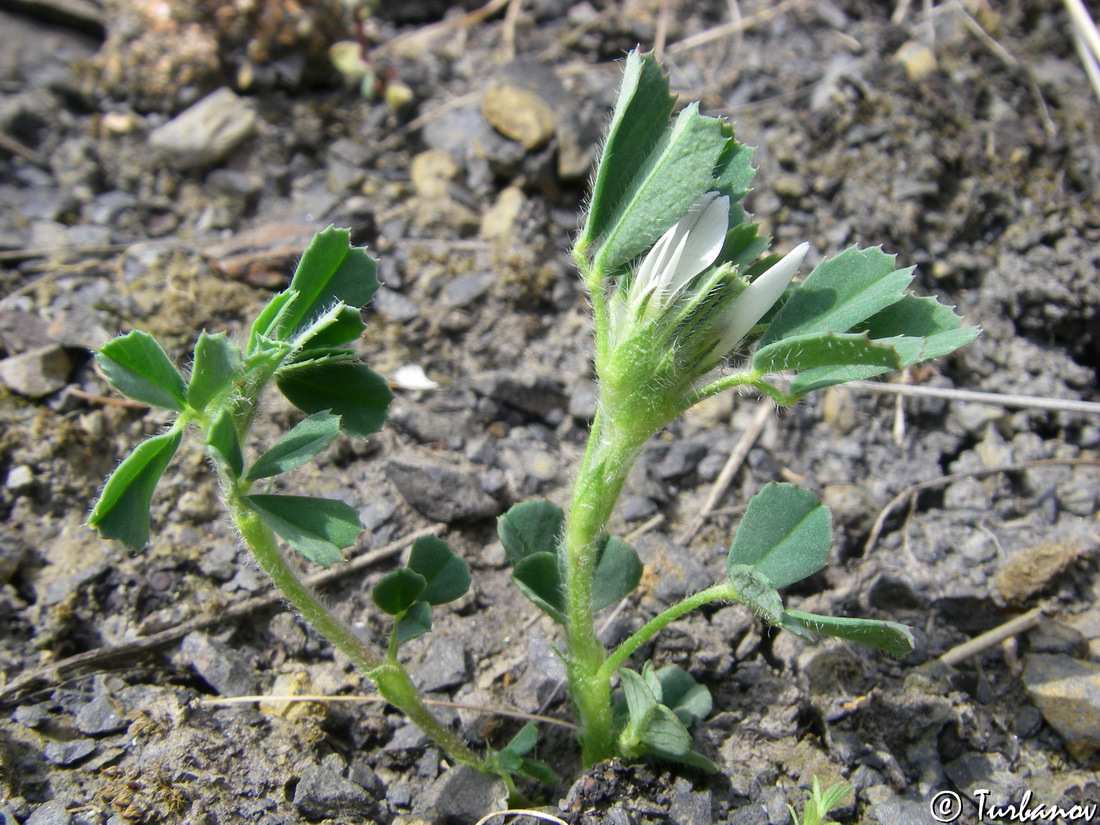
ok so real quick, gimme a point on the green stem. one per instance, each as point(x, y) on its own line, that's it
point(391, 679)
point(659, 622)
point(753, 378)
point(603, 472)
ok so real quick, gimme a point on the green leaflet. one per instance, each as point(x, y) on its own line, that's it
point(122, 511)
point(306, 440)
point(353, 391)
point(217, 363)
point(318, 528)
point(137, 367)
point(785, 535)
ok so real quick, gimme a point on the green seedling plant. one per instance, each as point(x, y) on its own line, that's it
point(819, 805)
point(687, 302)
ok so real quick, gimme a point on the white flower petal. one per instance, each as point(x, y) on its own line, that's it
point(687, 248)
point(412, 377)
point(752, 304)
point(705, 239)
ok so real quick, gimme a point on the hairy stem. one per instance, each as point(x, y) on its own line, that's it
point(659, 622)
point(603, 472)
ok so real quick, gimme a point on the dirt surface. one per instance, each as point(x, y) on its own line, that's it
point(967, 144)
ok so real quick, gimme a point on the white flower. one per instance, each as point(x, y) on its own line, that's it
point(690, 246)
point(759, 296)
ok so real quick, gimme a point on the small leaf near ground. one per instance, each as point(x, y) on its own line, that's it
point(538, 577)
point(398, 591)
point(530, 527)
point(446, 575)
point(618, 571)
point(416, 622)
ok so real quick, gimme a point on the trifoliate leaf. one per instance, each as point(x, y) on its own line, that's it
point(839, 294)
point(685, 697)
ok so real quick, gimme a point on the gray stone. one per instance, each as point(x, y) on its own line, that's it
point(223, 668)
point(465, 794)
point(901, 812)
point(984, 771)
point(51, 813)
point(529, 394)
point(749, 815)
point(443, 492)
point(100, 715)
point(544, 674)
point(680, 459)
point(466, 289)
point(20, 479)
point(68, 753)
point(37, 372)
point(207, 132)
point(636, 508)
point(1054, 637)
point(31, 716)
point(1067, 693)
point(395, 306)
point(444, 665)
point(582, 401)
point(323, 793)
point(688, 806)
point(21, 331)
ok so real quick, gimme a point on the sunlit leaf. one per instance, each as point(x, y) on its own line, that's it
point(122, 511)
point(137, 367)
point(305, 440)
point(217, 363)
point(353, 391)
point(318, 528)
